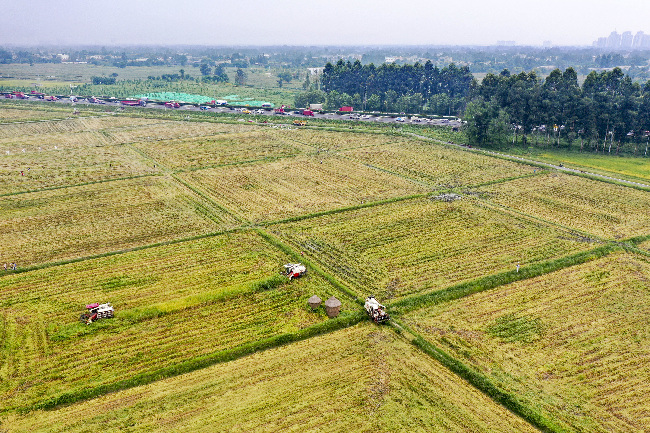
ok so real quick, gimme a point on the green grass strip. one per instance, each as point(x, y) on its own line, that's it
point(343, 321)
point(486, 283)
point(483, 383)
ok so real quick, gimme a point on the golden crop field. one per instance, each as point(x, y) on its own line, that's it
point(9, 114)
point(360, 379)
point(437, 165)
point(296, 186)
point(61, 224)
point(157, 130)
point(73, 125)
point(174, 303)
point(221, 149)
point(598, 208)
point(420, 245)
point(66, 159)
point(575, 343)
point(645, 245)
point(336, 141)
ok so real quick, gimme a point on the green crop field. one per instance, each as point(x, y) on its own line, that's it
point(518, 296)
point(420, 245)
point(598, 208)
point(357, 379)
point(574, 342)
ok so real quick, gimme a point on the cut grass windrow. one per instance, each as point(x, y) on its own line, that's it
point(483, 383)
point(490, 282)
point(144, 378)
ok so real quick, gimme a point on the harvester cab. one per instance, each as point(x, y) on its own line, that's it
point(293, 270)
point(97, 311)
point(375, 310)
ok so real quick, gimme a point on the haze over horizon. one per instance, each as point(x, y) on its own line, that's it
point(336, 22)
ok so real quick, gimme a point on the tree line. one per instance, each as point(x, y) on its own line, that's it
point(608, 112)
point(391, 87)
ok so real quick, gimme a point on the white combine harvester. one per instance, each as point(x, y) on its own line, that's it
point(375, 310)
point(97, 311)
point(293, 270)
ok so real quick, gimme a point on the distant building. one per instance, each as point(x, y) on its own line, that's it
point(625, 41)
point(506, 43)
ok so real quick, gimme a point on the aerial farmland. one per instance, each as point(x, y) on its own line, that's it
point(519, 294)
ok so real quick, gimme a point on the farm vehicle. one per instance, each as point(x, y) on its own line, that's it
point(97, 311)
point(375, 310)
point(172, 104)
point(293, 270)
point(299, 122)
point(133, 103)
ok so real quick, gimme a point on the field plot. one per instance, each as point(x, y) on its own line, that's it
point(173, 303)
point(157, 130)
point(437, 165)
point(335, 141)
point(602, 209)
point(221, 149)
point(574, 343)
point(9, 114)
point(361, 379)
point(71, 125)
point(645, 245)
point(65, 159)
point(298, 186)
point(420, 245)
point(80, 221)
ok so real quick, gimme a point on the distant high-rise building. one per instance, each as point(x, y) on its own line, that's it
point(626, 40)
point(614, 40)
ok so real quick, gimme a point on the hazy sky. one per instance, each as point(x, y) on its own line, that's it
point(318, 22)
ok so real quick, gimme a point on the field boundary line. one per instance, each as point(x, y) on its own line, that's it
point(489, 282)
point(481, 382)
point(345, 209)
point(122, 251)
point(516, 213)
point(203, 195)
point(194, 364)
point(52, 188)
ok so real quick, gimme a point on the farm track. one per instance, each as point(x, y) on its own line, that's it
point(168, 340)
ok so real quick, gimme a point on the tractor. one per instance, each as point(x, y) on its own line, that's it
point(375, 310)
point(293, 270)
point(97, 311)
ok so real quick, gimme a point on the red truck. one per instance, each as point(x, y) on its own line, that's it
point(131, 103)
point(307, 113)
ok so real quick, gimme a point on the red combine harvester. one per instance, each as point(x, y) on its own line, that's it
point(39, 95)
point(293, 270)
point(172, 104)
point(51, 98)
